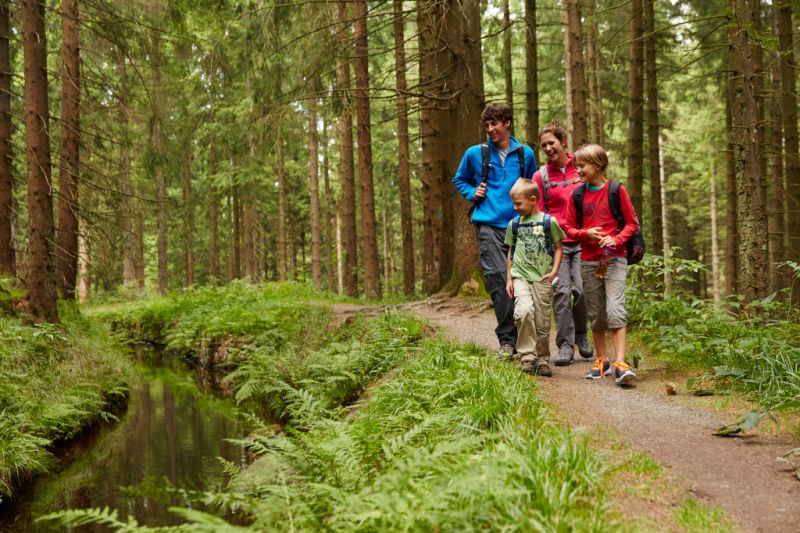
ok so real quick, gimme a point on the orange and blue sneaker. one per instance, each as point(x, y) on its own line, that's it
point(600, 368)
point(623, 374)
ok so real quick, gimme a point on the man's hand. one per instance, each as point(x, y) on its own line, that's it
point(510, 288)
point(480, 192)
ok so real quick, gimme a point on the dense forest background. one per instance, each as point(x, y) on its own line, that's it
point(153, 145)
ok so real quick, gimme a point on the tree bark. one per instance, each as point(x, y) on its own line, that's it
point(751, 205)
point(666, 251)
point(507, 69)
point(595, 103)
point(714, 235)
point(213, 202)
point(313, 186)
point(349, 249)
point(67, 248)
point(369, 241)
point(7, 255)
point(282, 212)
point(532, 77)
point(404, 164)
point(126, 185)
point(653, 128)
point(636, 108)
point(41, 283)
point(84, 264)
point(188, 216)
point(580, 130)
point(789, 99)
point(731, 232)
point(330, 210)
point(236, 232)
point(157, 148)
point(777, 192)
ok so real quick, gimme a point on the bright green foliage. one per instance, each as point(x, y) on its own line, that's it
point(53, 383)
point(756, 350)
point(454, 441)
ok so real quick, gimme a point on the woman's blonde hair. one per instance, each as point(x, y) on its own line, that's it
point(527, 188)
point(592, 154)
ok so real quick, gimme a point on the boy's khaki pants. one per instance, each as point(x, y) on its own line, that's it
point(532, 317)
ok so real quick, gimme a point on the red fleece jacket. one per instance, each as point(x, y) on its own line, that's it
point(560, 193)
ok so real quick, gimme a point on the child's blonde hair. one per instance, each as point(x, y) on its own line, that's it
point(527, 188)
point(592, 154)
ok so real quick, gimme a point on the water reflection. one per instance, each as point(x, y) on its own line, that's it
point(172, 433)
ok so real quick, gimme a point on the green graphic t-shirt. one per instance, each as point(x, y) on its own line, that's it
point(531, 260)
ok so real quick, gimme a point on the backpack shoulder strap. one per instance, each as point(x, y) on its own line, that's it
point(577, 199)
point(514, 231)
point(545, 185)
point(614, 204)
point(521, 157)
point(546, 223)
point(484, 162)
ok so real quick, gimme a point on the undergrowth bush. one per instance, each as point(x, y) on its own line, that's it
point(54, 382)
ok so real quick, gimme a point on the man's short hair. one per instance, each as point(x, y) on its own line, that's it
point(499, 112)
point(525, 187)
point(592, 154)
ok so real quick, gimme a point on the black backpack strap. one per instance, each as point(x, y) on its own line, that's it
point(514, 231)
point(545, 185)
point(484, 162)
point(521, 157)
point(548, 244)
point(577, 199)
point(614, 204)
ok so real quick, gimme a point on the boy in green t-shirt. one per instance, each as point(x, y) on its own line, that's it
point(531, 273)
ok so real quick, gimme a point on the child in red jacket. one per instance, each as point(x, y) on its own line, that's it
point(604, 264)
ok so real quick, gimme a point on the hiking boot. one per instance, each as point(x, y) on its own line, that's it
point(543, 369)
point(623, 374)
point(528, 366)
point(506, 351)
point(565, 355)
point(585, 348)
point(599, 369)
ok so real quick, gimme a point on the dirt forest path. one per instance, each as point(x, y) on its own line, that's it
point(741, 475)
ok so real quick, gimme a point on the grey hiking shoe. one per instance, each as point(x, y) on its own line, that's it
point(506, 351)
point(623, 373)
point(585, 348)
point(565, 355)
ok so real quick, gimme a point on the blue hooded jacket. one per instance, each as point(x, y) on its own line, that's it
point(496, 209)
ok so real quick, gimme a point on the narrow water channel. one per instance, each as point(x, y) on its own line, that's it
point(171, 434)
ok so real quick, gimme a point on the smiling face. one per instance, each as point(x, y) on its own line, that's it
point(589, 172)
point(498, 133)
point(524, 205)
point(555, 150)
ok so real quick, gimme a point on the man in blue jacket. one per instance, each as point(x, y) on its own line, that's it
point(508, 160)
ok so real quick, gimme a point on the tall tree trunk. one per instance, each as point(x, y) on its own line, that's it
point(434, 60)
point(789, 99)
point(213, 202)
point(751, 205)
point(126, 186)
point(777, 193)
point(282, 212)
point(349, 251)
point(67, 248)
point(369, 241)
point(7, 259)
point(714, 235)
point(252, 271)
point(236, 231)
point(507, 69)
point(666, 251)
point(138, 242)
point(330, 209)
point(531, 76)
point(464, 76)
point(580, 129)
point(731, 232)
point(157, 147)
point(404, 165)
point(41, 281)
point(188, 217)
point(636, 108)
point(313, 188)
point(653, 129)
point(596, 127)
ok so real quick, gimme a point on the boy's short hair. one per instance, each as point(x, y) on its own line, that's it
point(499, 112)
point(557, 129)
point(527, 188)
point(592, 154)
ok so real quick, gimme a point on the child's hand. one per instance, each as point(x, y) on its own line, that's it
point(607, 242)
point(549, 277)
point(595, 233)
point(510, 289)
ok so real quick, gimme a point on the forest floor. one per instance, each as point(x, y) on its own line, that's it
point(741, 475)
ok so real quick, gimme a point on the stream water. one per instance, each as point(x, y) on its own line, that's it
point(171, 434)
